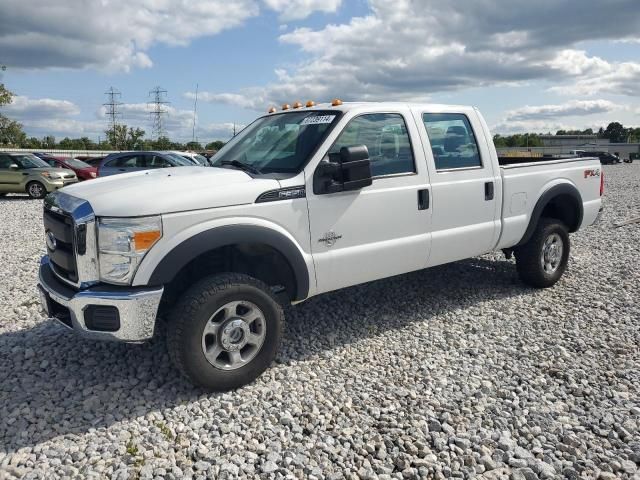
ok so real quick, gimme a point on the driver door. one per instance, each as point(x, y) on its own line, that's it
point(382, 229)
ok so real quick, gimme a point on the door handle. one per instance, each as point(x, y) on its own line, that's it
point(122, 169)
point(423, 199)
point(488, 190)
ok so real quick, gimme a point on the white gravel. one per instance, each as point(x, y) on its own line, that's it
point(458, 371)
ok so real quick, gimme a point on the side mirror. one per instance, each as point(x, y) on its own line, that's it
point(13, 166)
point(348, 170)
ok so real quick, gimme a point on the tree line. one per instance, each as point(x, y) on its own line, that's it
point(121, 137)
point(615, 132)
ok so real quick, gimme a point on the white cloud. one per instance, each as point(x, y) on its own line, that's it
point(406, 49)
point(110, 34)
point(299, 9)
point(568, 109)
point(25, 108)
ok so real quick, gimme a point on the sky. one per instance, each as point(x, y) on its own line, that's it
point(528, 66)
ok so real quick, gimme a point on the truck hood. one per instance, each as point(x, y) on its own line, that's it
point(166, 190)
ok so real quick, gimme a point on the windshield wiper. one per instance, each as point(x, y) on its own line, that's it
point(241, 166)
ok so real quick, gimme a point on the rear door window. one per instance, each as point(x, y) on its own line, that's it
point(127, 161)
point(453, 142)
point(156, 161)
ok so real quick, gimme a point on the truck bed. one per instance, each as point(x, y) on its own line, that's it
point(504, 161)
point(525, 181)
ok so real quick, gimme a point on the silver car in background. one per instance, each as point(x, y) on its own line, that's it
point(124, 162)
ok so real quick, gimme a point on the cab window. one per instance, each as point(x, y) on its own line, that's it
point(386, 138)
point(452, 141)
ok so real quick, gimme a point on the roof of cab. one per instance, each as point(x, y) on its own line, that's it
point(348, 106)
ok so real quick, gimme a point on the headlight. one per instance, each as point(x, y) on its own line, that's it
point(122, 243)
point(51, 175)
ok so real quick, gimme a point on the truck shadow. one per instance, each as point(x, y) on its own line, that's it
point(53, 383)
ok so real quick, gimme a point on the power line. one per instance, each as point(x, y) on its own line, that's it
point(158, 109)
point(112, 111)
point(195, 106)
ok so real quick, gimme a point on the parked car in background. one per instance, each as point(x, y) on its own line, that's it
point(606, 158)
point(24, 172)
point(93, 161)
point(136, 161)
point(193, 157)
point(83, 170)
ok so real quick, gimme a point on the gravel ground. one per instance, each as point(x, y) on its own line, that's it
point(458, 371)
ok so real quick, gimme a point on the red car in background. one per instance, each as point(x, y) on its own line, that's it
point(83, 170)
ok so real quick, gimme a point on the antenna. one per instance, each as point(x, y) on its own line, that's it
point(112, 105)
point(158, 109)
point(195, 106)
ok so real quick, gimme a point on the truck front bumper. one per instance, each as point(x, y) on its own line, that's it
point(102, 312)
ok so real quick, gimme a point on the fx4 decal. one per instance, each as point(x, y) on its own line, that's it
point(592, 173)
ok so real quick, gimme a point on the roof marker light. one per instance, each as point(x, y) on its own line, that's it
point(286, 106)
point(297, 105)
point(336, 102)
point(272, 110)
point(311, 103)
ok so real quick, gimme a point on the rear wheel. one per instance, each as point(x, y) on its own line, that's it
point(36, 190)
point(543, 259)
point(225, 331)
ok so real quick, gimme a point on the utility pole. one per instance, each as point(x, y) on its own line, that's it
point(234, 129)
point(112, 112)
point(158, 109)
point(195, 106)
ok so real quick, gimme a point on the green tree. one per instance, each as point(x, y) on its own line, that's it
point(11, 132)
point(217, 145)
point(117, 136)
point(135, 138)
point(615, 132)
point(194, 146)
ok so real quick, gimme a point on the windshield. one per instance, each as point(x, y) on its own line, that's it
point(29, 161)
point(180, 160)
point(75, 163)
point(200, 159)
point(278, 143)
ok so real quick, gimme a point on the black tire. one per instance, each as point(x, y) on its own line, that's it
point(529, 257)
point(36, 189)
point(193, 312)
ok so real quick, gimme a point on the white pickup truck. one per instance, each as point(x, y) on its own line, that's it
point(303, 201)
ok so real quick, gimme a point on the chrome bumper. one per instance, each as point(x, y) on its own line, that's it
point(136, 308)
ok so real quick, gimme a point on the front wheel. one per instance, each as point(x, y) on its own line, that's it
point(36, 190)
point(543, 259)
point(225, 331)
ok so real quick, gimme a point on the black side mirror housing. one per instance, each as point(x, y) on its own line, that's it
point(348, 170)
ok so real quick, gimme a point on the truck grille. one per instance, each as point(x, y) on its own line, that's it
point(59, 229)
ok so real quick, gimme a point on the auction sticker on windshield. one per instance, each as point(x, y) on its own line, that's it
point(319, 119)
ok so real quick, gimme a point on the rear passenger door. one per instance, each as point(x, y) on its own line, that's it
point(466, 211)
